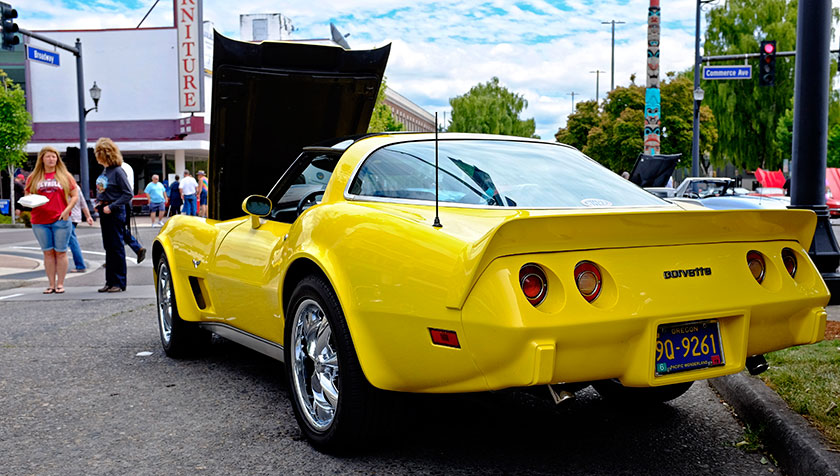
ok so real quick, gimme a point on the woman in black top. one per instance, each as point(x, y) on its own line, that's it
point(112, 194)
point(175, 197)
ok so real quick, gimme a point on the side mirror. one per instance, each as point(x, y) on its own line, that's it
point(256, 206)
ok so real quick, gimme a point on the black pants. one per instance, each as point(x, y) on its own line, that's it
point(113, 228)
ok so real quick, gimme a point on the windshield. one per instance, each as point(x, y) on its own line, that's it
point(495, 173)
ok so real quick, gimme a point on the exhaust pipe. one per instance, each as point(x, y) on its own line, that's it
point(757, 364)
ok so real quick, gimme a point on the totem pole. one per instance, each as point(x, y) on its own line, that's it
point(651, 144)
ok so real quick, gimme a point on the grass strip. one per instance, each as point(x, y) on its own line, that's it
point(808, 379)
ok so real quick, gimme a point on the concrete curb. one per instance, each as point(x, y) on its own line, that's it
point(799, 448)
point(9, 225)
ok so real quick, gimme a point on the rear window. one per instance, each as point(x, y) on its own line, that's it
point(495, 173)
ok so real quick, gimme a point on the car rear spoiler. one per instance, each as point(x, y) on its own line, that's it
point(526, 234)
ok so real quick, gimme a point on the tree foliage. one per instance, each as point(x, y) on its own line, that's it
point(490, 108)
point(747, 114)
point(382, 118)
point(15, 123)
point(614, 136)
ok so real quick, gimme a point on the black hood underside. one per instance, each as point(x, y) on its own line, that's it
point(271, 99)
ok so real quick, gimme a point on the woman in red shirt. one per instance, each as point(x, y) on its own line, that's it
point(51, 221)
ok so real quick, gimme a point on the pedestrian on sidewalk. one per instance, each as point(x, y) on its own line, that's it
point(113, 193)
point(128, 238)
point(188, 188)
point(76, 218)
point(157, 200)
point(175, 197)
point(202, 194)
point(51, 221)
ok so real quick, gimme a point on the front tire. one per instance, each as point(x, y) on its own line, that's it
point(179, 338)
point(613, 391)
point(332, 400)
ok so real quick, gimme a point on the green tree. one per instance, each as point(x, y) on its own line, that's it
point(15, 127)
point(747, 114)
point(491, 109)
point(614, 136)
point(833, 156)
point(382, 118)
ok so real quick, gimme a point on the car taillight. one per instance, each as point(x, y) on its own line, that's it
point(789, 258)
point(588, 280)
point(756, 263)
point(533, 282)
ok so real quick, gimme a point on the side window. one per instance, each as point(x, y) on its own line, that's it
point(316, 174)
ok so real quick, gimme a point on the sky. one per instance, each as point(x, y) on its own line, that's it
point(543, 50)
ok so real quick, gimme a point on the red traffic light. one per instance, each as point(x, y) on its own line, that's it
point(769, 48)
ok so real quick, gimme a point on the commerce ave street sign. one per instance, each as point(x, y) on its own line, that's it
point(41, 56)
point(727, 72)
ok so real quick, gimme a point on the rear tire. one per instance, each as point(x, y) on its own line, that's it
point(179, 338)
point(613, 391)
point(332, 400)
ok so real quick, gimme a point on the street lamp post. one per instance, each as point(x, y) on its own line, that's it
point(612, 57)
point(695, 127)
point(597, 83)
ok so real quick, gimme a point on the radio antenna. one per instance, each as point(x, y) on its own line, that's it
point(437, 186)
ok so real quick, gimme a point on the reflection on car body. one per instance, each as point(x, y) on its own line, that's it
point(548, 270)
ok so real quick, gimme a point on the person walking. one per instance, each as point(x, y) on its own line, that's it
point(113, 193)
point(188, 189)
point(175, 197)
point(51, 221)
point(128, 238)
point(157, 200)
point(75, 219)
point(202, 194)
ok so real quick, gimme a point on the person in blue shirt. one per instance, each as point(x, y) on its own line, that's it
point(175, 197)
point(157, 200)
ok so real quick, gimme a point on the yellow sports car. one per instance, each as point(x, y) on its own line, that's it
point(466, 263)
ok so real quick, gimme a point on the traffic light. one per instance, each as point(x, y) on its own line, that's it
point(7, 14)
point(767, 64)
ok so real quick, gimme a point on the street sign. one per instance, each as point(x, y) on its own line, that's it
point(42, 56)
point(727, 72)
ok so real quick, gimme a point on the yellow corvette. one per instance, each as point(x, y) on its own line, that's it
point(468, 263)
point(546, 268)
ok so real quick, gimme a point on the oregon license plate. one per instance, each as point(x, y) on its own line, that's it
point(687, 346)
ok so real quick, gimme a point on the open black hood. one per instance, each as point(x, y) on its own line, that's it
point(271, 99)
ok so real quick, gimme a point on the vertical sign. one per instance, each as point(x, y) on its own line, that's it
point(652, 131)
point(188, 20)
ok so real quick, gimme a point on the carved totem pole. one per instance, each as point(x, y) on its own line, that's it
point(652, 130)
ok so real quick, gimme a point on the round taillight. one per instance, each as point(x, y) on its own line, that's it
point(756, 263)
point(588, 280)
point(533, 283)
point(789, 258)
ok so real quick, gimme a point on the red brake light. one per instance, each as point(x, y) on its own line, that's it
point(756, 263)
point(789, 258)
point(588, 280)
point(533, 282)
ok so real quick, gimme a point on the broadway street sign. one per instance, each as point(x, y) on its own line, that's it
point(727, 72)
point(41, 56)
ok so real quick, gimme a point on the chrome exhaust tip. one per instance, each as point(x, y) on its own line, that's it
point(559, 395)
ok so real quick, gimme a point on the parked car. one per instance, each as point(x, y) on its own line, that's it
point(720, 193)
point(460, 262)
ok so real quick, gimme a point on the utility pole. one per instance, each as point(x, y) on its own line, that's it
point(597, 83)
point(573, 100)
point(612, 57)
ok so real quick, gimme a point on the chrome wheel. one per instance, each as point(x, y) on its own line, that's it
point(314, 365)
point(164, 303)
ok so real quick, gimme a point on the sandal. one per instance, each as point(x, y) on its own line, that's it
point(49, 291)
point(59, 289)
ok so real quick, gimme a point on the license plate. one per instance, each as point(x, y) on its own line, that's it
point(687, 346)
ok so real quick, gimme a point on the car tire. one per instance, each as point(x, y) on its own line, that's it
point(614, 392)
point(179, 338)
point(332, 400)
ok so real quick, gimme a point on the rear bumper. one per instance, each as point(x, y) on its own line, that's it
point(567, 339)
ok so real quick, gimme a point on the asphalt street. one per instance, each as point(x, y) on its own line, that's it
point(86, 389)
